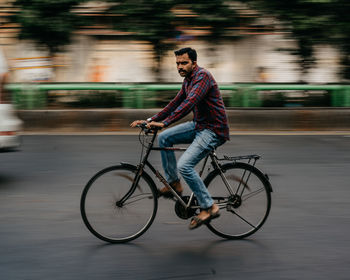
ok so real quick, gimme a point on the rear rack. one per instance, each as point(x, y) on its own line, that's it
point(238, 158)
point(249, 157)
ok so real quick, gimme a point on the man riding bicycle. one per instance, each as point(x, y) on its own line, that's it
point(208, 130)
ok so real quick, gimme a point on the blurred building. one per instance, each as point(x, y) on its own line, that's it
point(100, 54)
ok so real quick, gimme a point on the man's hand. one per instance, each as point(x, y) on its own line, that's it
point(138, 122)
point(155, 124)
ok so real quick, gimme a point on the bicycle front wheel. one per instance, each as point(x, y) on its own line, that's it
point(245, 207)
point(104, 214)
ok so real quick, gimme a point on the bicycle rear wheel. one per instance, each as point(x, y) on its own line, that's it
point(109, 220)
point(245, 209)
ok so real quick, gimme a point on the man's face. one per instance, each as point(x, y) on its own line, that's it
point(185, 65)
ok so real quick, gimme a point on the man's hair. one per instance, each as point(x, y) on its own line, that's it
point(192, 54)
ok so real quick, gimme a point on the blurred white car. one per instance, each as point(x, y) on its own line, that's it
point(10, 125)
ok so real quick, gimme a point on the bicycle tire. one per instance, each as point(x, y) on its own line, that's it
point(109, 221)
point(241, 215)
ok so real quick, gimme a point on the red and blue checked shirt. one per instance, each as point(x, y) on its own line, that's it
point(200, 94)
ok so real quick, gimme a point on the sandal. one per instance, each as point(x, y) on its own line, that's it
point(198, 222)
point(214, 215)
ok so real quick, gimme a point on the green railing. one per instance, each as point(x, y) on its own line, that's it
point(37, 96)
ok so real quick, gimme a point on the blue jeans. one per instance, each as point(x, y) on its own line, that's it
point(202, 142)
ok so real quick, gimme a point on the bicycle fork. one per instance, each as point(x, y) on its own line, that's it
point(138, 175)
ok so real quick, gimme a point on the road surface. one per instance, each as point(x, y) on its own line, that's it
point(306, 235)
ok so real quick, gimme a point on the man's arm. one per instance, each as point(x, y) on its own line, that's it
point(164, 113)
point(199, 90)
point(149, 124)
point(168, 109)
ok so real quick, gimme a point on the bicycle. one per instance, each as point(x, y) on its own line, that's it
point(119, 203)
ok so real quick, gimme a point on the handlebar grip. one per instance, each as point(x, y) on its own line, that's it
point(142, 125)
point(147, 130)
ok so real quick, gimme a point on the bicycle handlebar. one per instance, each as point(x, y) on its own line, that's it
point(147, 130)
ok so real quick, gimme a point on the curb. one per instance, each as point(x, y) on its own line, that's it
point(252, 119)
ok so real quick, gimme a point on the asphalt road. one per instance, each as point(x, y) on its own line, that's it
point(306, 236)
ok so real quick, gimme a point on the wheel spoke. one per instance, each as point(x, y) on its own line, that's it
point(136, 198)
point(249, 195)
point(243, 219)
point(238, 180)
point(128, 177)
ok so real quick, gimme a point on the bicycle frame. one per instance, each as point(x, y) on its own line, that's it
point(214, 162)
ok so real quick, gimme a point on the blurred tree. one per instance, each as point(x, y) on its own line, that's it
point(147, 20)
point(303, 22)
point(338, 31)
point(49, 23)
point(217, 17)
point(312, 22)
point(217, 20)
point(159, 22)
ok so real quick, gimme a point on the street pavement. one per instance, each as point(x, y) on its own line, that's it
point(306, 236)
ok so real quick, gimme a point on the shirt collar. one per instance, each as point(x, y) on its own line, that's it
point(195, 70)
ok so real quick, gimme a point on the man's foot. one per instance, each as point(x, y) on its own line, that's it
point(165, 191)
point(214, 211)
point(205, 216)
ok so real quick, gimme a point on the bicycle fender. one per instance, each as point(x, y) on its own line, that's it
point(129, 165)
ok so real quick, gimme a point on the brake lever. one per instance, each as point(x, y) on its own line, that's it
point(144, 127)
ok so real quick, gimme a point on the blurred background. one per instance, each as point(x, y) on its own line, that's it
point(71, 67)
point(245, 42)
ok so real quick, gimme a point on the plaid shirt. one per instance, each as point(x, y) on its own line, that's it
point(200, 94)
